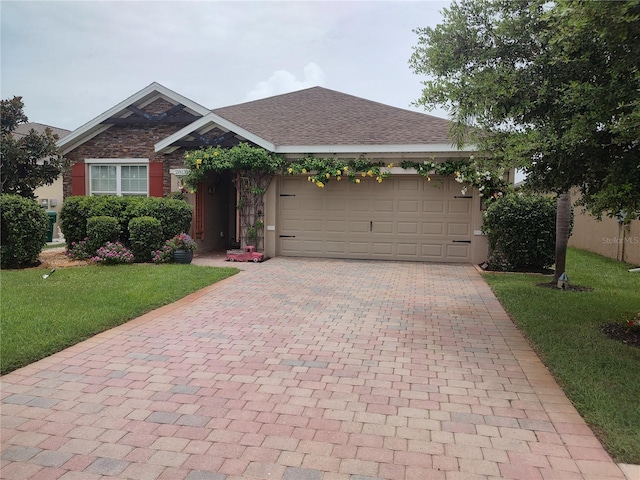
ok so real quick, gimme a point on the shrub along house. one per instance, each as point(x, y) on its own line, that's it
point(138, 146)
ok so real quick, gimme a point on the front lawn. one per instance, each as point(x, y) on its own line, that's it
point(600, 376)
point(40, 317)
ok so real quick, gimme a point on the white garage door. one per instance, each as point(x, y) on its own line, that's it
point(403, 218)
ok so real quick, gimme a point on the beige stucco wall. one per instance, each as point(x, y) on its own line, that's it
point(606, 237)
point(49, 193)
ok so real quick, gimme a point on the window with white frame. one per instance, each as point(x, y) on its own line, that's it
point(122, 177)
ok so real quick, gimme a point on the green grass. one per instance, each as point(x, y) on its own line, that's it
point(599, 375)
point(40, 317)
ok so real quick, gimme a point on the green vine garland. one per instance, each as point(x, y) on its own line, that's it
point(320, 171)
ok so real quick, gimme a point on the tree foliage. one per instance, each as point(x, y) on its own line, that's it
point(29, 161)
point(551, 87)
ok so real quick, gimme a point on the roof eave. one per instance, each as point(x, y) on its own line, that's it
point(380, 148)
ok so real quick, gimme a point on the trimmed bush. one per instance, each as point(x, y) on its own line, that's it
point(521, 230)
point(111, 206)
point(100, 230)
point(145, 236)
point(73, 219)
point(174, 215)
point(23, 229)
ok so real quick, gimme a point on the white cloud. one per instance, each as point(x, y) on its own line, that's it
point(283, 81)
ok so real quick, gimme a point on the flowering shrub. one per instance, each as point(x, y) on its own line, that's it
point(164, 255)
point(113, 253)
point(79, 250)
point(181, 241)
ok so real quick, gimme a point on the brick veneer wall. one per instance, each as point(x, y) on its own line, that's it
point(130, 141)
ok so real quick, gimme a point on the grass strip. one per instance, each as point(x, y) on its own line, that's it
point(600, 376)
point(40, 317)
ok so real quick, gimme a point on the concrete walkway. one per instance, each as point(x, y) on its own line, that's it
point(303, 370)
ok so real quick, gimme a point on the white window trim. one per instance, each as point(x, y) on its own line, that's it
point(117, 161)
point(122, 161)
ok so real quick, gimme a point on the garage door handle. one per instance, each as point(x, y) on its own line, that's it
point(371, 226)
point(287, 194)
point(462, 241)
point(463, 196)
point(287, 236)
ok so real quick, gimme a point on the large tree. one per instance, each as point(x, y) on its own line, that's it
point(550, 87)
point(26, 161)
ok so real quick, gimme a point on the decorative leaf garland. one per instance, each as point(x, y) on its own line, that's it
point(320, 171)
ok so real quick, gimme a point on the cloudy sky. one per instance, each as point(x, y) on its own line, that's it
point(73, 60)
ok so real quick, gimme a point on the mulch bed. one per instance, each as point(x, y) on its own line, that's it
point(622, 333)
point(570, 287)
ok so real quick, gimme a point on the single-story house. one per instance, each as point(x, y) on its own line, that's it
point(137, 148)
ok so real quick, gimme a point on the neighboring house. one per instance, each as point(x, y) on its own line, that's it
point(49, 196)
point(137, 147)
point(607, 237)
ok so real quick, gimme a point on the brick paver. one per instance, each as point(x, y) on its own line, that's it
point(303, 369)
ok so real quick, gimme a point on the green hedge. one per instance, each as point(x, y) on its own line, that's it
point(24, 226)
point(102, 229)
point(174, 215)
point(521, 230)
point(145, 235)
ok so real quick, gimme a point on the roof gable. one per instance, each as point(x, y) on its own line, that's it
point(138, 100)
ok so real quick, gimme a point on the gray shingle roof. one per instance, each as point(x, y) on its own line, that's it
point(319, 116)
point(24, 128)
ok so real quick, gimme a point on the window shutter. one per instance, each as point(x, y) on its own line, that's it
point(156, 180)
point(198, 227)
point(78, 179)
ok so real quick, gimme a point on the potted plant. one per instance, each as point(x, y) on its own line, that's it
point(182, 247)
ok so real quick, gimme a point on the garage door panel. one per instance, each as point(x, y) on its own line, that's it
point(313, 246)
point(290, 246)
point(337, 226)
point(358, 226)
point(382, 227)
point(408, 206)
point(336, 248)
point(336, 205)
point(359, 248)
point(407, 249)
point(359, 205)
point(401, 218)
point(292, 224)
point(410, 228)
point(410, 185)
point(432, 228)
point(462, 206)
point(460, 251)
point(311, 204)
point(459, 229)
point(432, 251)
point(383, 205)
point(433, 206)
point(381, 248)
point(313, 225)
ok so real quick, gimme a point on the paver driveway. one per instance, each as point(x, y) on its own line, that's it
point(303, 369)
